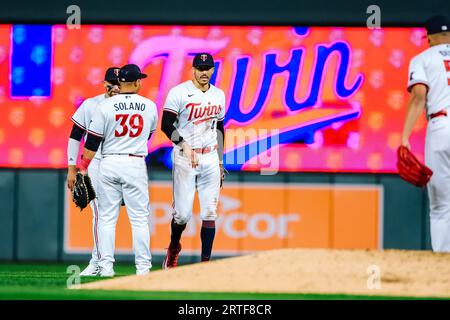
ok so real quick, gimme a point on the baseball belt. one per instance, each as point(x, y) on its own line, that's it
point(124, 154)
point(442, 113)
point(205, 150)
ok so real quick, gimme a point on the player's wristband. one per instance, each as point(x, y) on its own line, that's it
point(85, 163)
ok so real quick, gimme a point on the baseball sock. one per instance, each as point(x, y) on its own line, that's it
point(177, 230)
point(207, 235)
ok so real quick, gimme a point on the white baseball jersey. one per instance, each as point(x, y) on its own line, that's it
point(432, 68)
point(197, 111)
point(125, 121)
point(83, 116)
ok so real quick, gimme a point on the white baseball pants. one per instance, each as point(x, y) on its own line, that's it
point(437, 157)
point(205, 179)
point(93, 174)
point(124, 176)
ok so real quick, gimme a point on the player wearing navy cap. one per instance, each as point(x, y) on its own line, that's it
point(81, 119)
point(193, 117)
point(123, 124)
point(429, 87)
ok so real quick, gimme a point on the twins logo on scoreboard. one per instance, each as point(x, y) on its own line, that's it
point(293, 125)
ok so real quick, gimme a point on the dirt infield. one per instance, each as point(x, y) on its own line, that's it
point(403, 273)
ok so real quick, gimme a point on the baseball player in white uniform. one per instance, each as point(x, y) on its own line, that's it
point(429, 86)
point(124, 123)
point(192, 119)
point(81, 119)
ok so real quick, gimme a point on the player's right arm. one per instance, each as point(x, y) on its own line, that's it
point(170, 115)
point(73, 145)
point(418, 87)
point(416, 105)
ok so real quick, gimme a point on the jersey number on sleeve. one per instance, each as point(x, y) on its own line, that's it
point(130, 124)
point(213, 124)
point(447, 68)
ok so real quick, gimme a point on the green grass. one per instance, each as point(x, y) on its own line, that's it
point(49, 281)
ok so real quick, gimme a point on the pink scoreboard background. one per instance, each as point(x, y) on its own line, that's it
point(337, 96)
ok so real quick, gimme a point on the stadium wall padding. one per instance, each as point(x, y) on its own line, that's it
point(32, 210)
point(7, 214)
point(38, 215)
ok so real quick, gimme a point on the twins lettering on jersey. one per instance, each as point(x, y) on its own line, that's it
point(129, 106)
point(197, 111)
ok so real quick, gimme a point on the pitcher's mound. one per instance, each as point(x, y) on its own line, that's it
point(359, 272)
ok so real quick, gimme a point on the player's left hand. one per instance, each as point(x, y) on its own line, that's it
point(71, 176)
point(406, 144)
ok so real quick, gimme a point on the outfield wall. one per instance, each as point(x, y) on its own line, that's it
point(33, 213)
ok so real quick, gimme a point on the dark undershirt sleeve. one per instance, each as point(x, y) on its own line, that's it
point(93, 142)
point(168, 119)
point(76, 133)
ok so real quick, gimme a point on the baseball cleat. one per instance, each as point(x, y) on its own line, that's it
point(171, 259)
point(142, 273)
point(106, 273)
point(90, 271)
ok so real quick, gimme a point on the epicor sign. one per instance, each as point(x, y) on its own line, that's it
point(255, 217)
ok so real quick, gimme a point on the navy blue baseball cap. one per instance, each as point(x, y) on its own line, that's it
point(437, 24)
point(130, 73)
point(112, 74)
point(203, 59)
